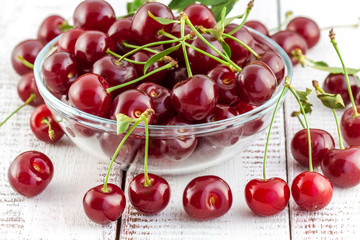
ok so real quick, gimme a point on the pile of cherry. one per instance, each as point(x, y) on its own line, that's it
point(98, 67)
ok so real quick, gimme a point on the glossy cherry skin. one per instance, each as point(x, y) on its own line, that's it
point(88, 93)
point(195, 97)
point(321, 143)
point(145, 28)
point(307, 28)
point(59, 71)
point(121, 31)
point(67, 41)
point(256, 83)
point(30, 173)
point(311, 191)
point(258, 26)
point(50, 28)
point(342, 166)
point(149, 199)
point(94, 15)
point(174, 76)
point(104, 207)
point(28, 50)
point(27, 86)
point(40, 130)
point(267, 198)
point(243, 107)
point(207, 197)
point(336, 84)
point(350, 127)
point(200, 15)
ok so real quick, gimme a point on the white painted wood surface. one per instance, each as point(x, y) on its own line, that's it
point(57, 212)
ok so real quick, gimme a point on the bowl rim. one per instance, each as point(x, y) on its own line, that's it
point(100, 123)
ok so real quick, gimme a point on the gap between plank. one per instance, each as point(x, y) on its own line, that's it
point(118, 223)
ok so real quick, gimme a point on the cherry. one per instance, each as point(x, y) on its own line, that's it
point(350, 127)
point(267, 198)
point(311, 191)
point(150, 199)
point(103, 207)
point(253, 126)
point(174, 76)
point(144, 28)
point(28, 50)
point(342, 166)
point(258, 26)
point(94, 15)
point(357, 98)
point(50, 28)
point(256, 83)
point(67, 41)
point(321, 143)
point(207, 197)
point(121, 31)
point(27, 86)
point(336, 84)
point(243, 107)
point(200, 15)
point(88, 93)
point(195, 97)
point(59, 71)
point(30, 173)
point(206, 150)
point(307, 28)
point(44, 126)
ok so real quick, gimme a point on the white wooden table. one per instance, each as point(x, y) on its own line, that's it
point(57, 213)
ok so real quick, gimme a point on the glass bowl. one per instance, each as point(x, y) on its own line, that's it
point(172, 149)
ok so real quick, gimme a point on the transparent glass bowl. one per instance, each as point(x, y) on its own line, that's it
point(172, 149)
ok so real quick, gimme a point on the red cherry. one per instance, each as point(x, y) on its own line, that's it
point(27, 86)
point(350, 127)
point(121, 31)
point(311, 191)
point(243, 107)
point(258, 26)
point(321, 143)
point(174, 76)
point(342, 166)
point(336, 84)
point(104, 207)
point(207, 197)
point(200, 15)
point(50, 28)
point(67, 41)
point(307, 28)
point(149, 199)
point(30, 173)
point(267, 198)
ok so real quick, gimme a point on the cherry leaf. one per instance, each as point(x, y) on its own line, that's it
point(159, 56)
point(123, 122)
point(321, 64)
point(333, 101)
point(226, 48)
point(134, 5)
point(163, 21)
point(303, 96)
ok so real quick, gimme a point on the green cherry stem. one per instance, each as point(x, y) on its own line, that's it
point(108, 51)
point(288, 14)
point(247, 12)
point(287, 84)
point(31, 97)
point(183, 46)
point(268, 136)
point(128, 45)
point(51, 132)
point(65, 26)
point(147, 181)
point(25, 62)
point(242, 44)
point(334, 43)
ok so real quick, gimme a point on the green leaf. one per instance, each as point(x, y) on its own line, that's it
point(180, 4)
point(216, 9)
point(159, 56)
point(123, 122)
point(223, 15)
point(303, 96)
point(333, 101)
point(226, 48)
point(134, 5)
point(163, 21)
point(321, 64)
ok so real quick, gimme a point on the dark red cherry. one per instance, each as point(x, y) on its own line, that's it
point(132, 103)
point(28, 50)
point(225, 80)
point(115, 73)
point(195, 98)
point(59, 71)
point(67, 41)
point(307, 28)
point(200, 15)
point(321, 143)
point(207, 197)
point(41, 129)
point(256, 83)
point(350, 127)
point(336, 84)
point(27, 86)
point(149, 199)
point(311, 191)
point(50, 28)
point(174, 76)
point(30, 173)
point(243, 107)
point(290, 41)
point(258, 26)
point(94, 15)
point(121, 31)
point(267, 198)
point(161, 98)
point(88, 93)
point(342, 166)
point(145, 28)
point(104, 207)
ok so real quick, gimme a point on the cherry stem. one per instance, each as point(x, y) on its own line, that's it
point(356, 25)
point(26, 62)
point(147, 181)
point(128, 45)
point(65, 26)
point(297, 115)
point(242, 44)
point(167, 66)
point(287, 84)
point(51, 132)
point(187, 63)
point(334, 43)
point(31, 97)
point(108, 51)
point(247, 12)
point(271, 124)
